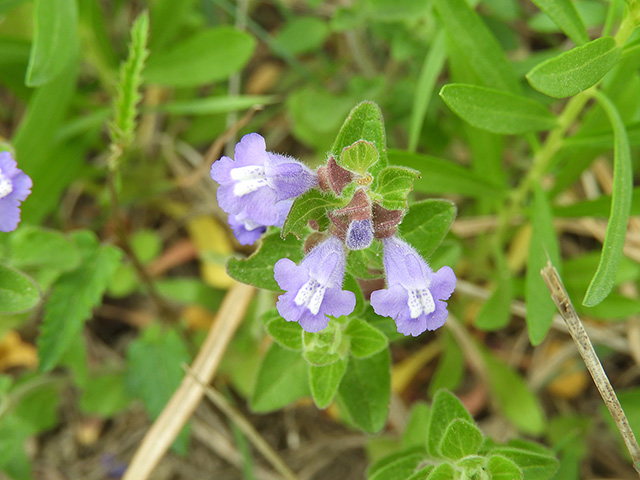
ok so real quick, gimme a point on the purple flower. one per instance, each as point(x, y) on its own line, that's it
point(247, 231)
point(414, 294)
point(314, 288)
point(255, 182)
point(15, 187)
point(359, 234)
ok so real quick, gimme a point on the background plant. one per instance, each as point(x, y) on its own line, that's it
point(118, 267)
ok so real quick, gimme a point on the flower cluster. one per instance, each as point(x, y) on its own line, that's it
point(15, 187)
point(257, 189)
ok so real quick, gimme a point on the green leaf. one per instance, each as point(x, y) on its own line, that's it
point(451, 367)
point(13, 457)
point(326, 346)
point(302, 35)
point(167, 18)
point(445, 409)
point(311, 205)
point(394, 184)
point(495, 110)
point(514, 398)
point(427, 223)
point(429, 73)
point(190, 290)
point(287, 334)
point(18, 293)
point(443, 471)
point(365, 391)
point(461, 438)
point(535, 462)
point(423, 473)
point(383, 463)
point(218, 104)
point(34, 249)
point(63, 319)
point(105, 395)
point(445, 176)
point(599, 207)
point(324, 381)
point(501, 468)
point(543, 247)
point(257, 270)
point(564, 14)
point(154, 371)
point(359, 157)
point(282, 378)
point(415, 433)
point(576, 70)
point(55, 40)
point(365, 340)
point(363, 123)
point(495, 313)
point(121, 129)
point(399, 469)
point(482, 52)
point(612, 248)
point(207, 56)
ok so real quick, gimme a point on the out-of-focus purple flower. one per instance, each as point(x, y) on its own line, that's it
point(415, 295)
point(359, 234)
point(247, 231)
point(15, 187)
point(314, 288)
point(256, 181)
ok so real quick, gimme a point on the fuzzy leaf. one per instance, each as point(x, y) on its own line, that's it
point(535, 462)
point(73, 297)
point(497, 111)
point(365, 339)
point(18, 293)
point(394, 184)
point(365, 391)
point(461, 438)
point(123, 126)
point(577, 70)
point(445, 409)
point(363, 123)
point(287, 334)
point(359, 157)
point(324, 381)
point(282, 378)
point(427, 223)
point(501, 468)
point(311, 205)
point(257, 270)
point(55, 41)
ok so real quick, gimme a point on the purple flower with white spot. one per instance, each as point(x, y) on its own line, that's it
point(247, 231)
point(314, 288)
point(15, 187)
point(252, 185)
point(415, 295)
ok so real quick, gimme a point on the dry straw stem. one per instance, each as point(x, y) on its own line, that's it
point(188, 395)
point(245, 426)
point(591, 360)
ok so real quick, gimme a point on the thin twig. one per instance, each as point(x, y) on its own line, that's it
point(591, 360)
point(188, 395)
point(247, 428)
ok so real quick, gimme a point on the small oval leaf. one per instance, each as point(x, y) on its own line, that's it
point(576, 70)
point(18, 292)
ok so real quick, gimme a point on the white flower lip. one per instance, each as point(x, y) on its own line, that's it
point(248, 179)
point(6, 185)
point(420, 301)
point(311, 295)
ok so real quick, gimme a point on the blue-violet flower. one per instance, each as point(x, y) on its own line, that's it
point(359, 234)
point(314, 288)
point(15, 187)
point(415, 295)
point(247, 231)
point(252, 185)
